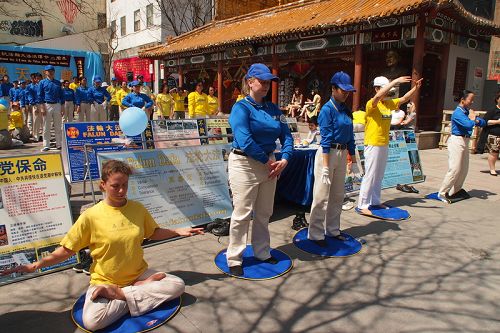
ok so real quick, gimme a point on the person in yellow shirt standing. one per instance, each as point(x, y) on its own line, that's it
point(378, 123)
point(75, 84)
point(213, 102)
point(164, 102)
point(114, 229)
point(120, 95)
point(178, 96)
point(359, 120)
point(114, 108)
point(198, 102)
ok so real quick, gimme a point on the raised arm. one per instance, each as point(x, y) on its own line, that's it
point(410, 93)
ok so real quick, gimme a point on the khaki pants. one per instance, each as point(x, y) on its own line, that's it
point(102, 312)
point(371, 186)
point(98, 113)
point(52, 115)
point(253, 197)
point(458, 165)
point(84, 114)
point(327, 199)
point(69, 109)
point(37, 120)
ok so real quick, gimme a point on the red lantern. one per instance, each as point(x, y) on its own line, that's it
point(227, 83)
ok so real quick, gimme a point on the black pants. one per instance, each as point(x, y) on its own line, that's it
point(114, 113)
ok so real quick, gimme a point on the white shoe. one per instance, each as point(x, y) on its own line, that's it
point(443, 198)
point(348, 205)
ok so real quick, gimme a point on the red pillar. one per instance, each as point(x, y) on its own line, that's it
point(358, 69)
point(219, 84)
point(275, 70)
point(181, 75)
point(418, 60)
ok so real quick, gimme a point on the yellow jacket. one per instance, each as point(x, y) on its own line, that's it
point(197, 105)
point(113, 92)
point(213, 105)
point(120, 95)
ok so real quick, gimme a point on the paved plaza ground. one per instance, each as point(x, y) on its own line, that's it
point(437, 272)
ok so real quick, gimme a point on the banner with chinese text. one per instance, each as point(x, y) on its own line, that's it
point(180, 187)
point(35, 212)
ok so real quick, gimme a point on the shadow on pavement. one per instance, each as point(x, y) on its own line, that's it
point(37, 321)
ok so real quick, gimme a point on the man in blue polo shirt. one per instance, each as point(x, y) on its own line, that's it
point(51, 96)
point(5, 87)
point(83, 100)
point(99, 96)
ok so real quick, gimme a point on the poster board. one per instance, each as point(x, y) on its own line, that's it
point(78, 134)
point(180, 187)
point(35, 212)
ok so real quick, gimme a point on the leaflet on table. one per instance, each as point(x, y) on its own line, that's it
point(35, 212)
point(165, 132)
point(182, 186)
point(78, 134)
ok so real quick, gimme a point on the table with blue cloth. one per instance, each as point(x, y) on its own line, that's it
point(297, 180)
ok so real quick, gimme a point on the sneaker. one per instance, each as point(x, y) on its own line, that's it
point(85, 261)
point(347, 205)
point(236, 270)
point(297, 223)
point(45, 149)
point(86, 269)
point(443, 198)
point(222, 229)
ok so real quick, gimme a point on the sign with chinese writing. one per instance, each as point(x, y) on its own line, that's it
point(386, 34)
point(34, 211)
point(180, 187)
point(78, 134)
point(167, 133)
point(19, 62)
point(135, 65)
point(218, 126)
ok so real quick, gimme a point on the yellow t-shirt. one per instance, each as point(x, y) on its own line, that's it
point(120, 95)
point(165, 102)
point(112, 91)
point(73, 85)
point(378, 121)
point(4, 120)
point(197, 105)
point(213, 105)
point(179, 102)
point(16, 120)
point(114, 236)
point(359, 117)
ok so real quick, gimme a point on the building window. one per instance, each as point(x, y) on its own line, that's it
point(123, 25)
point(149, 15)
point(137, 20)
point(113, 29)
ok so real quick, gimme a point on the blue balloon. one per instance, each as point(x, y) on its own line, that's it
point(133, 121)
point(5, 103)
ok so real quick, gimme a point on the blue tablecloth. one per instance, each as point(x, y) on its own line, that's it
point(297, 180)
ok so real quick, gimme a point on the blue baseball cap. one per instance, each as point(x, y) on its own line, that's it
point(97, 79)
point(134, 83)
point(343, 81)
point(49, 68)
point(113, 79)
point(261, 72)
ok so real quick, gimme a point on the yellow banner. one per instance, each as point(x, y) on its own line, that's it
point(28, 168)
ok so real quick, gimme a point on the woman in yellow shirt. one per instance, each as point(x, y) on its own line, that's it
point(198, 102)
point(213, 102)
point(178, 96)
point(165, 103)
point(114, 229)
point(120, 95)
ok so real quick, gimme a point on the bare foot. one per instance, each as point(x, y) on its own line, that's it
point(155, 277)
point(366, 211)
point(109, 292)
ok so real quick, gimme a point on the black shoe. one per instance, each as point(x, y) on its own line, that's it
point(320, 242)
point(297, 223)
point(271, 260)
point(302, 217)
point(85, 263)
point(222, 230)
point(214, 224)
point(236, 270)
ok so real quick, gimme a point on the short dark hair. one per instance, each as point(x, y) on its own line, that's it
point(497, 96)
point(114, 166)
point(313, 120)
point(463, 95)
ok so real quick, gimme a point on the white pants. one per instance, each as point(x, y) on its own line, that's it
point(98, 113)
point(37, 120)
point(102, 312)
point(52, 114)
point(327, 199)
point(69, 109)
point(84, 114)
point(28, 116)
point(253, 196)
point(458, 165)
point(371, 186)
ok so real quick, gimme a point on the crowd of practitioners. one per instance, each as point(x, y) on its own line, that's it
point(47, 102)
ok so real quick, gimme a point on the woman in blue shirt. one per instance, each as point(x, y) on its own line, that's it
point(337, 139)
point(69, 103)
point(253, 170)
point(138, 99)
point(463, 121)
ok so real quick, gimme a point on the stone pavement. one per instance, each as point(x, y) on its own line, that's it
point(437, 272)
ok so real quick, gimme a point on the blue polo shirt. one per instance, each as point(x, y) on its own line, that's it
point(461, 125)
point(31, 94)
point(83, 95)
point(23, 97)
point(5, 88)
point(138, 100)
point(68, 95)
point(50, 91)
point(14, 94)
point(256, 128)
point(335, 126)
point(99, 94)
